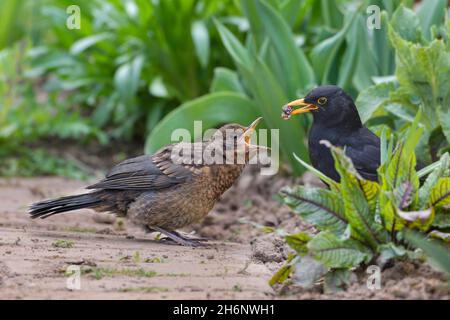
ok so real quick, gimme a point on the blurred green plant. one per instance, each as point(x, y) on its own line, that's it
point(24, 121)
point(275, 64)
point(421, 43)
point(131, 61)
point(361, 221)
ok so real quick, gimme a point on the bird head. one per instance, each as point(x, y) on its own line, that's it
point(329, 105)
point(237, 139)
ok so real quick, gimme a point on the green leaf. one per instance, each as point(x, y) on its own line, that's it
point(293, 61)
point(336, 253)
point(442, 218)
point(318, 173)
point(127, 77)
point(319, 207)
point(87, 42)
point(440, 235)
point(226, 80)
point(439, 254)
point(308, 271)
point(440, 195)
point(283, 273)
point(357, 209)
point(417, 219)
point(406, 24)
point(200, 36)
point(371, 191)
point(431, 12)
point(444, 120)
point(324, 54)
point(373, 98)
point(237, 51)
point(269, 96)
point(215, 109)
point(432, 180)
point(298, 242)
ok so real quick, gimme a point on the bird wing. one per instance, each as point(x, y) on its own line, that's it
point(146, 173)
point(364, 150)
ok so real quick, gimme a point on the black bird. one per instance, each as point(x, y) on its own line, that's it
point(336, 119)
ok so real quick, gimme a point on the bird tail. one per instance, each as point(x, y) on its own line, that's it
point(45, 209)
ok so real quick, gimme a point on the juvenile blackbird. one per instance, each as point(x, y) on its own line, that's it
point(169, 189)
point(336, 119)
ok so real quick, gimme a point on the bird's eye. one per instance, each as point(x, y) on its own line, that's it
point(322, 100)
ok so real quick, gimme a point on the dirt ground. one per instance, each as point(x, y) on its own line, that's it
point(121, 261)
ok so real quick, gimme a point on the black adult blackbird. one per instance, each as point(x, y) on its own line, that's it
point(336, 119)
point(170, 189)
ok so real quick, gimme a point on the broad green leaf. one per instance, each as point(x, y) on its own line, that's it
point(269, 96)
point(438, 253)
point(442, 218)
point(213, 110)
point(200, 36)
point(319, 207)
point(336, 253)
point(431, 12)
point(406, 24)
point(226, 80)
point(357, 210)
point(432, 180)
point(324, 54)
point(371, 191)
point(440, 195)
point(366, 66)
point(373, 98)
point(293, 61)
point(237, 51)
point(348, 66)
point(417, 219)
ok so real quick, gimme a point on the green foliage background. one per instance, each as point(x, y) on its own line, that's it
point(137, 69)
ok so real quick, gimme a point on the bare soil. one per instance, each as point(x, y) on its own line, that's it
point(121, 261)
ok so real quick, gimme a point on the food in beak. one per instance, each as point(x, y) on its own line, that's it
point(288, 110)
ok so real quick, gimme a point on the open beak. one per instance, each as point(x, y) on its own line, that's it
point(250, 130)
point(288, 110)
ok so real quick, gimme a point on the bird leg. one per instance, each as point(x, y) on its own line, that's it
point(176, 237)
point(189, 236)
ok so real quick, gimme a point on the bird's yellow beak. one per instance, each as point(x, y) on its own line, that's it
point(305, 107)
point(250, 130)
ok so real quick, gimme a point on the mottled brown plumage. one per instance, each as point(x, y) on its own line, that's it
point(164, 192)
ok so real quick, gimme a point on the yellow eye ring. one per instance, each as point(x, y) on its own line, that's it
point(322, 100)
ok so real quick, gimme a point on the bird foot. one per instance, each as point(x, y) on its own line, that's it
point(174, 237)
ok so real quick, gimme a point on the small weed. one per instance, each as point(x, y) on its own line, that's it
point(98, 273)
point(63, 244)
point(144, 289)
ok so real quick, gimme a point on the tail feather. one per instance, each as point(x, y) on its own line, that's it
point(45, 209)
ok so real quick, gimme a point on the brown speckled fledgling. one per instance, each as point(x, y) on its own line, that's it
point(168, 190)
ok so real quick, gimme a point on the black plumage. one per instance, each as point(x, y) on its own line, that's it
point(336, 119)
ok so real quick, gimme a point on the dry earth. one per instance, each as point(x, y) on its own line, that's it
point(120, 261)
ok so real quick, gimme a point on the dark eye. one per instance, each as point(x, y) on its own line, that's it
point(322, 100)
